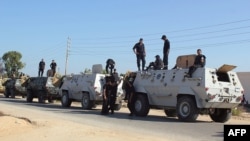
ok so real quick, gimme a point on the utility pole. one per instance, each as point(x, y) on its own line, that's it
point(67, 54)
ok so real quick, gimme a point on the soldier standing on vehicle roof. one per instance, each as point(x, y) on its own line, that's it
point(53, 67)
point(41, 68)
point(166, 49)
point(139, 50)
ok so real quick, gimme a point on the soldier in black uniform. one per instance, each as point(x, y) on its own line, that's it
point(106, 93)
point(139, 50)
point(157, 64)
point(53, 67)
point(41, 68)
point(199, 62)
point(131, 93)
point(112, 95)
point(110, 64)
point(166, 49)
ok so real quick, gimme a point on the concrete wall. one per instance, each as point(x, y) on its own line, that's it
point(245, 82)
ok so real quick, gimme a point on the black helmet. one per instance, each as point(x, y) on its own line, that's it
point(157, 56)
point(163, 37)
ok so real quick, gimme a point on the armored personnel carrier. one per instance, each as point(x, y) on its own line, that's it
point(210, 91)
point(43, 88)
point(87, 89)
point(14, 87)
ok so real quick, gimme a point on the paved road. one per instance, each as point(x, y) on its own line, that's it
point(155, 123)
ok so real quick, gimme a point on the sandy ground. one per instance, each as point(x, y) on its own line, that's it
point(16, 125)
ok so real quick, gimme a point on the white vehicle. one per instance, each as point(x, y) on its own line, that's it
point(210, 91)
point(87, 89)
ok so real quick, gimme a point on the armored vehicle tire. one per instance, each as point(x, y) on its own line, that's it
point(170, 112)
point(118, 106)
point(41, 98)
point(187, 109)
point(65, 100)
point(141, 107)
point(29, 97)
point(86, 102)
point(221, 115)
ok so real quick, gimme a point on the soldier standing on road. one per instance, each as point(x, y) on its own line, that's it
point(139, 50)
point(166, 49)
point(41, 68)
point(106, 93)
point(112, 96)
point(131, 93)
point(53, 67)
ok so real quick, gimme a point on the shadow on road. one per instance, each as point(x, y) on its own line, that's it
point(76, 109)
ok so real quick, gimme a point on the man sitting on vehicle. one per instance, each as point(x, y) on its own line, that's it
point(199, 62)
point(157, 65)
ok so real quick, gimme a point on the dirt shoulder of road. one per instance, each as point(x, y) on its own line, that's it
point(26, 126)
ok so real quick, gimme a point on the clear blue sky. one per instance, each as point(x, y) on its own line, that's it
point(100, 29)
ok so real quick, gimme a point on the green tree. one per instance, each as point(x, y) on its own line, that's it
point(1, 68)
point(12, 62)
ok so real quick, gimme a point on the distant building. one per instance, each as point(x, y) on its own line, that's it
point(245, 82)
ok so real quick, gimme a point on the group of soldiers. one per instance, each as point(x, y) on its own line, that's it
point(140, 51)
point(110, 89)
point(51, 72)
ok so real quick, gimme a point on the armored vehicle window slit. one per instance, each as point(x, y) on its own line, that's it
point(223, 77)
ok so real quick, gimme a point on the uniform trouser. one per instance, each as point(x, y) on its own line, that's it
point(140, 58)
point(111, 102)
point(40, 72)
point(104, 106)
point(131, 106)
point(131, 101)
point(165, 61)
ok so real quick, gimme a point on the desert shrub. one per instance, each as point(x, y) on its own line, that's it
point(238, 111)
point(1, 113)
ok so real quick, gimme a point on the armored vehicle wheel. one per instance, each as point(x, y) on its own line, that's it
point(29, 96)
point(141, 106)
point(118, 106)
point(65, 100)
point(186, 109)
point(86, 102)
point(221, 115)
point(170, 112)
